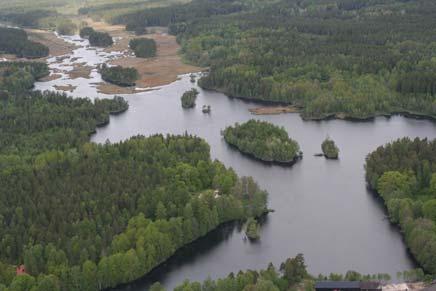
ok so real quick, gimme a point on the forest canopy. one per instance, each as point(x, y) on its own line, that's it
point(404, 175)
point(331, 58)
point(87, 216)
point(119, 75)
point(263, 140)
point(143, 47)
point(15, 41)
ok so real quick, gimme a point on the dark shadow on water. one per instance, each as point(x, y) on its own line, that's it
point(185, 256)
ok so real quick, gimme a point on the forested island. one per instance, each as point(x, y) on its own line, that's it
point(15, 41)
point(90, 217)
point(329, 149)
point(343, 59)
point(118, 75)
point(96, 38)
point(143, 47)
point(188, 98)
point(403, 173)
point(263, 141)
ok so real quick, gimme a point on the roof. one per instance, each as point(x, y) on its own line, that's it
point(370, 285)
point(337, 285)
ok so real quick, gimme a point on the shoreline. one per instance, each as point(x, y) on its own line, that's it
point(273, 105)
point(266, 162)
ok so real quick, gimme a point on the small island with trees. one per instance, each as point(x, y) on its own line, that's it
point(188, 98)
point(96, 38)
point(252, 229)
point(329, 149)
point(143, 47)
point(263, 141)
point(118, 75)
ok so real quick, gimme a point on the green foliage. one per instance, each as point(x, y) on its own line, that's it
point(21, 76)
point(143, 47)
point(119, 76)
point(66, 27)
point(252, 230)
point(292, 273)
point(329, 148)
point(90, 217)
point(25, 18)
point(86, 32)
point(188, 98)
point(402, 172)
point(96, 38)
point(345, 59)
point(263, 141)
point(15, 41)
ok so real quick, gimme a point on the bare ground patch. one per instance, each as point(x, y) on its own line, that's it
point(56, 45)
point(157, 71)
point(66, 88)
point(273, 110)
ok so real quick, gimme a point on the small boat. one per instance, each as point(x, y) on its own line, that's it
point(206, 108)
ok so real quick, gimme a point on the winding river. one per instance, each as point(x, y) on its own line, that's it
point(322, 207)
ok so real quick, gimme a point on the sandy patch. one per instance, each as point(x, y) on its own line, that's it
point(66, 88)
point(274, 110)
point(80, 71)
point(157, 71)
point(50, 77)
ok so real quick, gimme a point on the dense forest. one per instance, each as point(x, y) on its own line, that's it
point(341, 58)
point(15, 41)
point(96, 38)
point(143, 47)
point(118, 75)
point(404, 175)
point(263, 140)
point(189, 97)
point(89, 217)
point(20, 76)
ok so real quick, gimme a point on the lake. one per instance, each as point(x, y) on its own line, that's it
point(322, 207)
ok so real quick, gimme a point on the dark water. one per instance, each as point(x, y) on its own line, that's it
point(322, 207)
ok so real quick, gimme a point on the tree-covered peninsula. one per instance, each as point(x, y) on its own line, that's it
point(335, 58)
point(15, 41)
point(403, 173)
point(263, 141)
point(81, 216)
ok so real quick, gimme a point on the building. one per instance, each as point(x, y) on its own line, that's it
point(347, 286)
point(21, 270)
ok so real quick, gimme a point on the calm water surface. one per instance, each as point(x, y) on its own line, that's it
point(322, 207)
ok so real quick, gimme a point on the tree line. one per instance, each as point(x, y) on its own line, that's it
point(341, 58)
point(15, 41)
point(292, 274)
point(96, 38)
point(21, 76)
point(403, 173)
point(84, 216)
